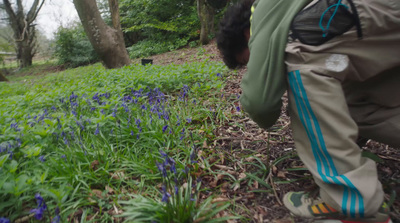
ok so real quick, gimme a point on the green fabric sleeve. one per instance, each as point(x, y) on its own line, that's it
point(264, 83)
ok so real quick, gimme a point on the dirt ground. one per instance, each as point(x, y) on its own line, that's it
point(239, 147)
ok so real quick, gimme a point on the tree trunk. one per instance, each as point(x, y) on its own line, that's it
point(2, 77)
point(206, 17)
point(108, 42)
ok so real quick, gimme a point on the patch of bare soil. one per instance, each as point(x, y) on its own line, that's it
point(254, 168)
point(186, 55)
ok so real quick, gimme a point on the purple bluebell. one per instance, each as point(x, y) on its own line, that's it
point(189, 120)
point(163, 154)
point(42, 158)
point(15, 127)
point(238, 108)
point(56, 218)
point(186, 170)
point(166, 195)
point(102, 111)
point(64, 157)
point(176, 189)
point(219, 75)
point(97, 130)
point(4, 220)
point(193, 156)
point(164, 128)
point(39, 211)
point(161, 168)
point(137, 122)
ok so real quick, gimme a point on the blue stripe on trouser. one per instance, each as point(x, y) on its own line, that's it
point(323, 159)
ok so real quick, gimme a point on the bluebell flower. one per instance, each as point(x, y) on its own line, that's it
point(42, 158)
point(161, 168)
point(92, 109)
point(189, 120)
point(102, 111)
point(219, 75)
point(164, 128)
point(97, 130)
point(64, 157)
point(173, 168)
point(176, 189)
point(15, 127)
point(39, 211)
point(193, 156)
point(186, 170)
point(4, 220)
point(238, 108)
point(10, 155)
point(163, 154)
point(137, 122)
point(166, 195)
point(131, 133)
point(56, 218)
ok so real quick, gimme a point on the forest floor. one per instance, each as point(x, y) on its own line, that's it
point(274, 168)
point(276, 152)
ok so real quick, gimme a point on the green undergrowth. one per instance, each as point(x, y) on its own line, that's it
point(89, 142)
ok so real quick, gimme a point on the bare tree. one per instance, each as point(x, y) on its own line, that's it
point(108, 42)
point(24, 29)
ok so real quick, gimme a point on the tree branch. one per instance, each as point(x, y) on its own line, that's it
point(9, 10)
point(33, 12)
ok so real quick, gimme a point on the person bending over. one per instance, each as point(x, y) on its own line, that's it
point(339, 61)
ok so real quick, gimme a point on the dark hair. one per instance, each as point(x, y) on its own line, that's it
point(230, 38)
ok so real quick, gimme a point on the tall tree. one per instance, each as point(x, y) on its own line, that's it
point(23, 28)
point(206, 10)
point(108, 42)
point(206, 16)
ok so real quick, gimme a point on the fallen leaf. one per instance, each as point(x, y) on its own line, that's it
point(215, 182)
point(94, 165)
point(281, 174)
point(242, 176)
point(118, 175)
point(97, 193)
point(109, 190)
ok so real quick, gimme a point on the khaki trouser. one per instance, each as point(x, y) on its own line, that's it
point(341, 90)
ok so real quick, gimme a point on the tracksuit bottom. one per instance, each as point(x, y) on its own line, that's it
point(340, 90)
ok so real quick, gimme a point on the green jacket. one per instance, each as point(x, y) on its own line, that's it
point(264, 83)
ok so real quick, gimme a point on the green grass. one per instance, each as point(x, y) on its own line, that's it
point(88, 138)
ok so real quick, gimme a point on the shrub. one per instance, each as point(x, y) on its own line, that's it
point(73, 48)
point(150, 47)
